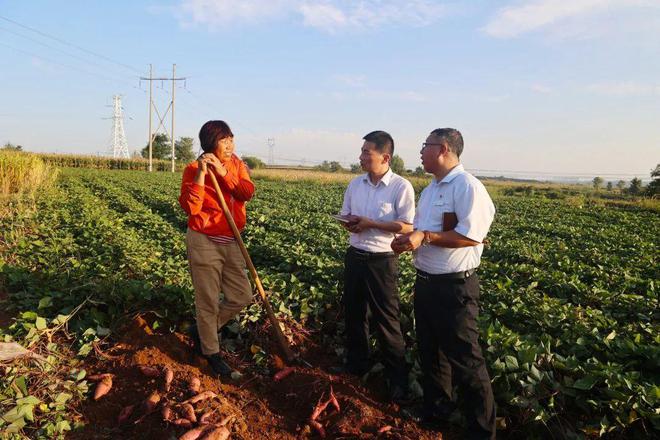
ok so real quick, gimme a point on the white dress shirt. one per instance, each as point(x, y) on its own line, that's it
point(391, 199)
point(463, 194)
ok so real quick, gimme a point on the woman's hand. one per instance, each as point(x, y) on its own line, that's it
point(210, 159)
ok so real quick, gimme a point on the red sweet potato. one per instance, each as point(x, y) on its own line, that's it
point(185, 423)
point(219, 433)
point(124, 414)
point(103, 387)
point(169, 377)
point(194, 433)
point(201, 396)
point(188, 412)
point(283, 373)
point(194, 385)
point(149, 371)
point(151, 402)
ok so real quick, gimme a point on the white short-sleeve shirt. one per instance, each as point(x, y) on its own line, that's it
point(391, 199)
point(461, 193)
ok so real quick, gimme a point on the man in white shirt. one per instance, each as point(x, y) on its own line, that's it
point(453, 216)
point(378, 205)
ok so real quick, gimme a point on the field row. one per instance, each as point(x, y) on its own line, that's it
point(569, 302)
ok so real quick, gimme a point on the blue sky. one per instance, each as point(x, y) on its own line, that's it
point(538, 86)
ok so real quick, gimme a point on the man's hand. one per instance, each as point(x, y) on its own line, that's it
point(358, 224)
point(407, 242)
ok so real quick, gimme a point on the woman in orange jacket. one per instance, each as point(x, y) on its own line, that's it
point(216, 262)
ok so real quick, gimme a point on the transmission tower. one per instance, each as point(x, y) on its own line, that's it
point(152, 106)
point(119, 144)
point(271, 151)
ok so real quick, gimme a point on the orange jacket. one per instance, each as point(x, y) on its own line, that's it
point(201, 203)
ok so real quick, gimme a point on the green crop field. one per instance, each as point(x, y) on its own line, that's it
point(569, 304)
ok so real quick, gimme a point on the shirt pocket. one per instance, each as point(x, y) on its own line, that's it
point(438, 208)
point(385, 211)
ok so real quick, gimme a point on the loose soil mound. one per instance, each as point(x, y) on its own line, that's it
point(253, 406)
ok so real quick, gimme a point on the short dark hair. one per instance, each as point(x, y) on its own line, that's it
point(211, 132)
point(452, 137)
point(383, 140)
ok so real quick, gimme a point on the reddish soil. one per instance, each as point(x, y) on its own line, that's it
point(253, 406)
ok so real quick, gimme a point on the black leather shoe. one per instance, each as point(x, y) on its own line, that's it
point(398, 394)
point(428, 415)
point(219, 366)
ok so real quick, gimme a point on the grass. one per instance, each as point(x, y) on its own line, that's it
point(24, 173)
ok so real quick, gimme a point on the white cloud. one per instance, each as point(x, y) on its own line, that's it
point(323, 16)
point(574, 18)
point(227, 12)
point(326, 15)
point(623, 89)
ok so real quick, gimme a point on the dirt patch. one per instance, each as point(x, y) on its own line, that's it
point(253, 406)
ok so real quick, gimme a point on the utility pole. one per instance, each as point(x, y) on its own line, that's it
point(151, 103)
point(271, 151)
point(161, 119)
point(173, 91)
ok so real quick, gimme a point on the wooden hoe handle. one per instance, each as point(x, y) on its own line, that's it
point(284, 345)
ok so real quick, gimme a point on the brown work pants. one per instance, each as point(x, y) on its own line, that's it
point(216, 268)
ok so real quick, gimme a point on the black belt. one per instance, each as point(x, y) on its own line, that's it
point(446, 276)
point(366, 255)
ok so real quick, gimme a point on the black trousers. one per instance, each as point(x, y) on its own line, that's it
point(447, 337)
point(371, 294)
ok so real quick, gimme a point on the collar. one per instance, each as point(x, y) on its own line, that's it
point(387, 177)
point(458, 169)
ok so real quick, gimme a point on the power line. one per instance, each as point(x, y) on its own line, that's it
point(79, 58)
point(68, 66)
point(62, 41)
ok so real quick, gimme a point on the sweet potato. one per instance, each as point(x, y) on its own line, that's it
point(149, 371)
point(103, 387)
point(185, 423)
point(201, 396)
point(125, 413)
point(283, 373)
point(384, 429)
point(218, 433)
point(333, 400)
point(151, 402)
point(205, 418)
point(167, 413)
point(169, 377)
point(318, 427)
point(318, 409)
point(194, 385)
point(226, 420)
point(99, 377)
point(189, 412)
point(194, 433)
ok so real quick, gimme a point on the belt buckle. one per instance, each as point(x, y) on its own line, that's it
point(422, 275)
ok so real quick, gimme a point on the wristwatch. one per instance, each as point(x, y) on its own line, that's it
point(427, 238)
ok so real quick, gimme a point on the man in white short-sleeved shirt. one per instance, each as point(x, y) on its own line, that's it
point(377, 205)
point(453, 216)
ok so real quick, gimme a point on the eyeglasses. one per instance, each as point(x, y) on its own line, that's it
point(428, 144)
